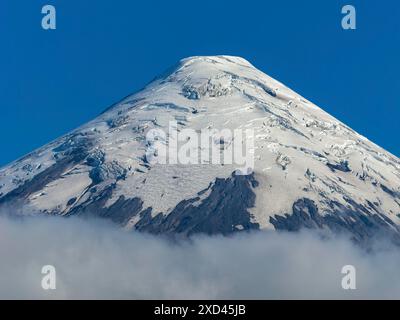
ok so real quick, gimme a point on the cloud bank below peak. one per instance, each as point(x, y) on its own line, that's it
point(96, 260)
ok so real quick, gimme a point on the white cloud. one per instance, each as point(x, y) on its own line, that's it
point(97, 260)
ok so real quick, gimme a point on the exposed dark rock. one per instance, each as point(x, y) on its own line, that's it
point(71, 201)
point(342, 166)
point(74, 146)
point(119, 212)
point(221, 212)
point(390, 192)
point(225, 208)
point(95, 159)
point(119, 121)
point(354, 220)
point(39, 181)
point(27, 168)
point(190, 92)
point(110, 170)
point(311, 152)
point(310, 175)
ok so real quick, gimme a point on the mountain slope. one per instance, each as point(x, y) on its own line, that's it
point(310, 170)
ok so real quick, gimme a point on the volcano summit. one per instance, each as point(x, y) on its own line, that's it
point(308, 170)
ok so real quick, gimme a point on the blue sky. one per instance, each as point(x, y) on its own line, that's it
point(53, 81)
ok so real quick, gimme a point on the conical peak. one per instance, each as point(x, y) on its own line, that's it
point(200, 68)
point(216, 60)
point(216, 76)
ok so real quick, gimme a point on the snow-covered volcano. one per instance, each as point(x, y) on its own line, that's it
point(310, 170)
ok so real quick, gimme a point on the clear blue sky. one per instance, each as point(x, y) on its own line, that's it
point(53, 81)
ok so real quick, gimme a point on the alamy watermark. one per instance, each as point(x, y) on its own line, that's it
point(349, 21)
point(49, 278)
point(206, 146)
point(349, 280)
point(49, 21)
